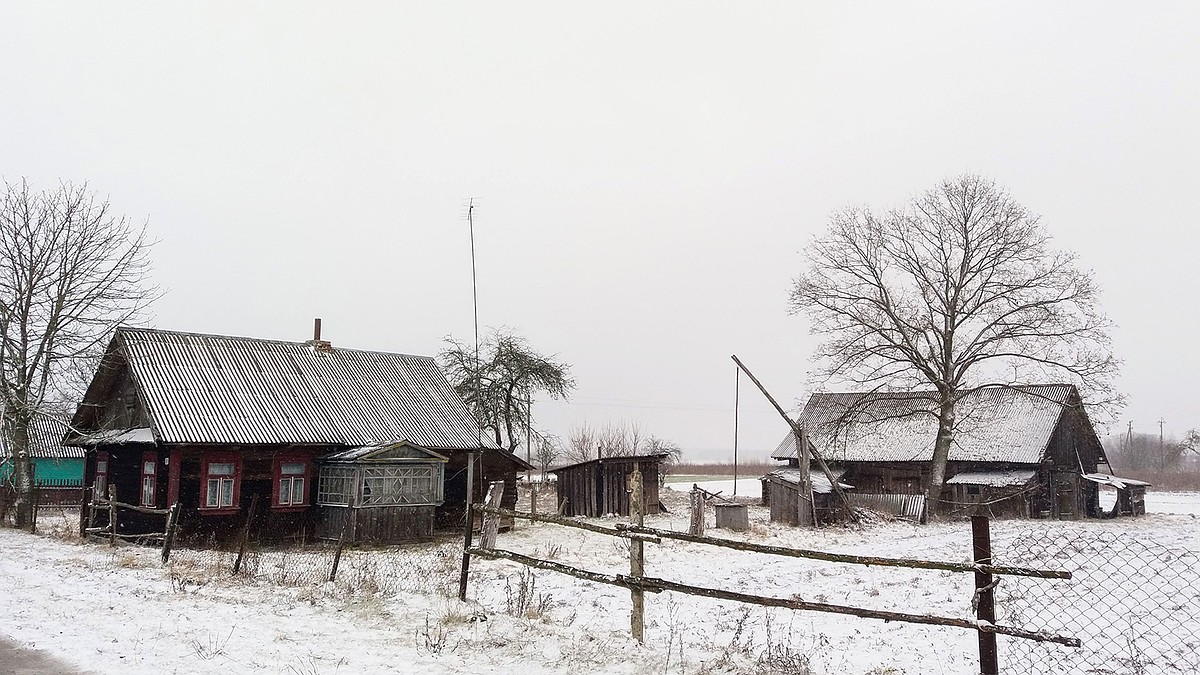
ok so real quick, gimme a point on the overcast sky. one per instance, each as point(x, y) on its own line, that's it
point(647, 173)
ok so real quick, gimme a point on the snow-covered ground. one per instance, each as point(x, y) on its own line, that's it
point(119, 612)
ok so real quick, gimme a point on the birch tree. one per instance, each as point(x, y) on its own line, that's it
point(70, 271)
point(959, 289)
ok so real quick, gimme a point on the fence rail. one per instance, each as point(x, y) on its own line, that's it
point(985, 623)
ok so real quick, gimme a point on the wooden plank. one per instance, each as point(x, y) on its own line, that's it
point(852, 559)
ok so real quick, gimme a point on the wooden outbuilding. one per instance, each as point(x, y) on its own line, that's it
point(782, 493)
point(1017, 450)
point(219, 424)
point(599, 487)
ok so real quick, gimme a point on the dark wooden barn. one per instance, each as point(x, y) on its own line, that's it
point(1017, 451)
point(220, 423)
point(599, 487)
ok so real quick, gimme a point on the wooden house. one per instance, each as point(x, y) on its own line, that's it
point(57, 469)
point(599, 487)
point(219, 423)
point(1021, 451)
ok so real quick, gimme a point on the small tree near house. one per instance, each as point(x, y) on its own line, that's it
point(70, 271)
point(499, 387)
point(957, 290)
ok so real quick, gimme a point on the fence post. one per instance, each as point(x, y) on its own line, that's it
point(35, 496)
point(696, 526)
point(337, 554)
point(112, 515)
point(83, 512)
point(467, 531)
point(637, 616)
point(237, 563)
point(985, 599)
point(491, 521)
point(169, 533)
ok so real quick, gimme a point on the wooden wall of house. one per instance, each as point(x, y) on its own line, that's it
point(495, 467)
point(376, 524)
point(886, 478)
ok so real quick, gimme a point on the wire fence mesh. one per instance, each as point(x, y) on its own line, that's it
point(418, 568)
point(1134, 604)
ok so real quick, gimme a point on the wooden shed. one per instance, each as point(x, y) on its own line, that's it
point(383, 494)
point(598, 487)
point(781, 492)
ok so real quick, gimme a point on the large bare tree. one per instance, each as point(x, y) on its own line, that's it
point(500, 386)
point(70, 270)
point(959, 289)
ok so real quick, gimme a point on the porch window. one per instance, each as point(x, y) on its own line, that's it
point(221, 483)
point(101, 484)
point(149, 477)
point(291, 484)
point(336, 486)
point(389, 485)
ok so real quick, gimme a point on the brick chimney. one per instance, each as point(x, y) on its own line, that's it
point(319, 345)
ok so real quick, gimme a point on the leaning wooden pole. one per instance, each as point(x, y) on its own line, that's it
point(800, 451)
point(237, 563)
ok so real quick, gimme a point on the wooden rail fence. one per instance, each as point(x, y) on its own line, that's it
point(639, 584)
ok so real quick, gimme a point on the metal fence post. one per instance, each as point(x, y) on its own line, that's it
point(985, 599)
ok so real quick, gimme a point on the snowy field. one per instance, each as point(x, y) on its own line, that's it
point(119, 611)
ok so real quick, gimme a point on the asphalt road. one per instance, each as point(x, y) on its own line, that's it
point(18, 660)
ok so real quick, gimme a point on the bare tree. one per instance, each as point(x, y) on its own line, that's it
point(70, 271)
point(499, 388)
point(958, 290)
point(618, 440)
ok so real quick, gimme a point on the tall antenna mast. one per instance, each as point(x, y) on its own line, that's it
point(475, 309)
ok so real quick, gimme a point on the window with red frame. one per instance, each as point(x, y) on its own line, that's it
point(291, 481)
point(222, 476)
point(101, 484)
point(149, 477)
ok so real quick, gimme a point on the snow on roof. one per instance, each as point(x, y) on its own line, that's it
point(219, 389)
point(1114, 481)
point(1010, 424)
point(1011, 478)
point(821, 485)
point(118, 436)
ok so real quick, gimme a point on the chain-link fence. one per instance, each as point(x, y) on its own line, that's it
point(419, 568)
point(1134, 604)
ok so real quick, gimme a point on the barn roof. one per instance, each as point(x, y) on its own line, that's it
point(45, 439)
point(615, 459)
point(1003, 424)
point(219, 389)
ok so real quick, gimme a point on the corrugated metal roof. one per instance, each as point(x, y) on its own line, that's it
point(1009, 424)
point(1011, 478)
point(219, 389)
point(45, 439)
point(1114, 481)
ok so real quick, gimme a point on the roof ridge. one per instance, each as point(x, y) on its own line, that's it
point(243, 338)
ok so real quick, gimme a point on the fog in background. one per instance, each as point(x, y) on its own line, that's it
point(647, 174)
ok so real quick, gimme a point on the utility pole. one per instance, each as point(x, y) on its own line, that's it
point(1162, 456)
point(737, 383)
